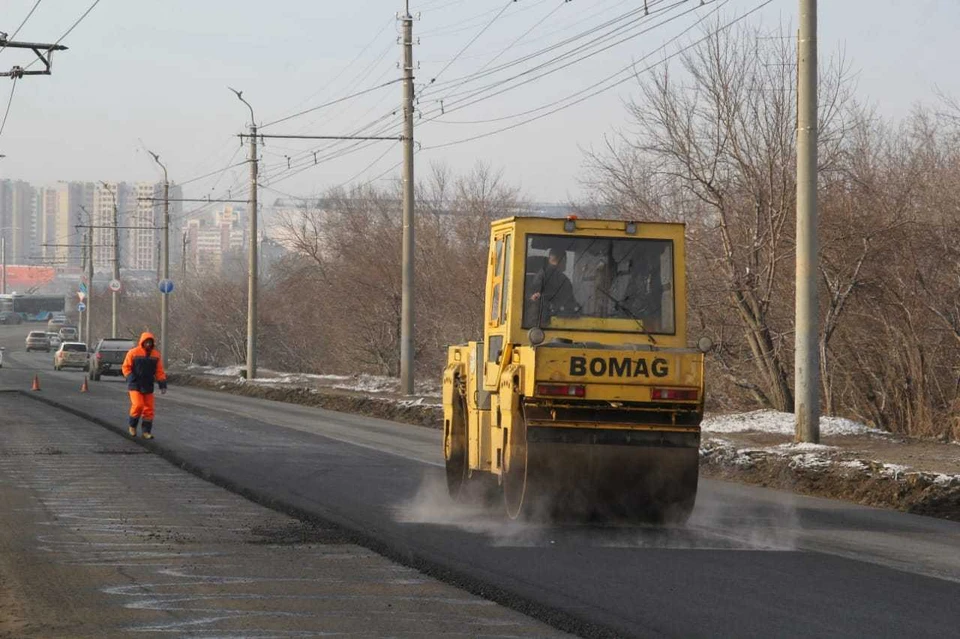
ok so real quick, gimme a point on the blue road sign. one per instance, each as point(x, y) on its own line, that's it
point(81, 307)
point(165, 286)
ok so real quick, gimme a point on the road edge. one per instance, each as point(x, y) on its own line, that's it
point(430, 566)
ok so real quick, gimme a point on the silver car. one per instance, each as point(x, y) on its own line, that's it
point(38, 341)
point(71, 355)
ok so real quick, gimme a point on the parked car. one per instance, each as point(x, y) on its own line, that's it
point(2, 348)
point(108, 357)
point(55, 340)
point(71, 355)
point(9, 317)
point(38, 341)
point(68, 333)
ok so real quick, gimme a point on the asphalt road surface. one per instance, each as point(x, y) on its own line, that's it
point(751, 563)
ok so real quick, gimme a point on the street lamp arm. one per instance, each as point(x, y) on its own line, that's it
point(239, 94)
point(156, 158)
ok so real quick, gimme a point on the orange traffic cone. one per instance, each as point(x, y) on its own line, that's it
point(36, 383)
point(84, 388)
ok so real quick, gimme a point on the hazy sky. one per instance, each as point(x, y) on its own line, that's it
point(155, 73)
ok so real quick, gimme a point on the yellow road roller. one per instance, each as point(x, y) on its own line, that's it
point(583, 400)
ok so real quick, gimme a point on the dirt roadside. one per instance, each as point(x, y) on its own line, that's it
point(911, 475)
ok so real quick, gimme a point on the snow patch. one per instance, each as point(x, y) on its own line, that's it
point(777, 423)
point(226, 371)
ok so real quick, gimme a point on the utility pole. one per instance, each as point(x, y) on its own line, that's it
point(83, 267)
point(807, 365)
point(252, 278)
point(88, 266)
point(3, 259)
point(183, 259)
point(406, 304)
point(165, 275)
point(89, 285)
point(114, 319)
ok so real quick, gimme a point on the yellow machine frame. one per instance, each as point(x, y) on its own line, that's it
point(499, 427)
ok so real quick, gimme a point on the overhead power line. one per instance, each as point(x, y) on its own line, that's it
point(472, 40)
point(7, 110)
point(331, 103)
point(12, 37)
point(72, 27)
point(601, 90)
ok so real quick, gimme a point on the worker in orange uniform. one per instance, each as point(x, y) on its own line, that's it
point(142, 367)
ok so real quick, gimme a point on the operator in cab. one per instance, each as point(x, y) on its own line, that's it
point(552, 290)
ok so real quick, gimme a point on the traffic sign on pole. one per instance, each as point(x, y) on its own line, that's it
point(81, 307)
point(165, 286)
point(115, 285)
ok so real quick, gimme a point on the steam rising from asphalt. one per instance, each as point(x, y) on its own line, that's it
point(716, 524)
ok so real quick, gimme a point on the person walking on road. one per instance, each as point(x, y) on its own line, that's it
point(142, 367)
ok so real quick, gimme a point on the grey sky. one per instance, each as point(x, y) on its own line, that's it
point(157, 71)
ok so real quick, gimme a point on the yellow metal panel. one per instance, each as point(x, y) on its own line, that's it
point(609, 366)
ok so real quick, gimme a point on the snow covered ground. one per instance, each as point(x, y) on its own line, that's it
point(777, 423)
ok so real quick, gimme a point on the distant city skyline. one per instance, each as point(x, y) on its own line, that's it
point(47, 224)
point(135, 78)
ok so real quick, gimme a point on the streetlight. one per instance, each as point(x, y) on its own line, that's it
point(164, 305)
point(89, 264)
point(116, 259)
point(252, 259)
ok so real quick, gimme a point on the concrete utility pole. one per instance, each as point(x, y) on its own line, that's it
point(115, 295)
point(165, 275)
point(252, 281)
point(3, 260)
point(807, 365)
point(81, 325)
point(88, 267)
point(407, 305)
point(89, 286)
point(183, 258)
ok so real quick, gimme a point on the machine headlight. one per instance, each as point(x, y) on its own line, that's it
point(705, 344)
point(631, 228)
point(536, 335)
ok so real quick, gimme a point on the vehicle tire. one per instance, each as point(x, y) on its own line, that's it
point(455, 448)
point(515, 468)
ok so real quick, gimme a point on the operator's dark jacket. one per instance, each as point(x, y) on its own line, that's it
point(554, 287)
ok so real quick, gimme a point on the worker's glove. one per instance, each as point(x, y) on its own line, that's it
point(163, 388)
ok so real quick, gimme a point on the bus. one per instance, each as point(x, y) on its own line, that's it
point(33, 308)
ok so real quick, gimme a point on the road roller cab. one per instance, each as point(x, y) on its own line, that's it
point(583, 397)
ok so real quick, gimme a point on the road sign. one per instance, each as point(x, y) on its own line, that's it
point(115, 286)
point(81, 295)
point(81, 307)
point(83, 288)
point(165, 286)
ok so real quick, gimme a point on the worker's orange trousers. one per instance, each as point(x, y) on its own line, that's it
point(141, 405)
